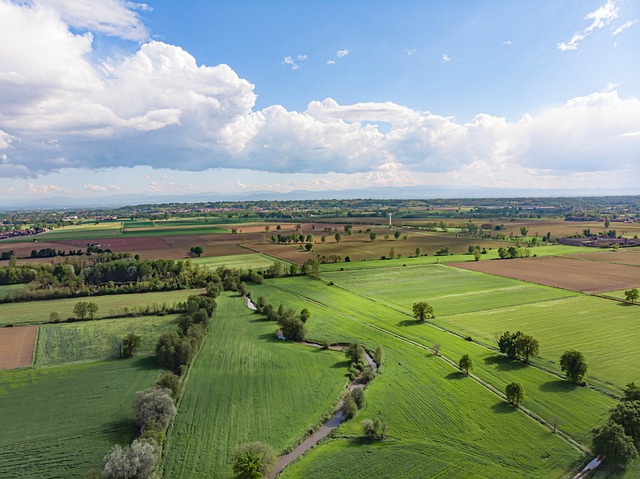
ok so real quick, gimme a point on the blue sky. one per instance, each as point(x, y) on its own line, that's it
point(169, 97)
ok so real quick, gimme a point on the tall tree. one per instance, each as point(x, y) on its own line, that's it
point(611, 441)
point(422, 311)
point(632, 295)
point(515, 393)
point(574, 365)
point(466, 364)
point(527, 347)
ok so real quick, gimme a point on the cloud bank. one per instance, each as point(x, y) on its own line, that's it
point(158, 107)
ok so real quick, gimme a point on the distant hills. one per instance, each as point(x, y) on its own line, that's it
point(374, 192)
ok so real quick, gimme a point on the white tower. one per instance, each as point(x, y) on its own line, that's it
point(389, 214)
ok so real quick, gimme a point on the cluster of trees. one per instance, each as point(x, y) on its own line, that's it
point(518, 346)
point(619, 439)
point(477, 251)
point(177, 348)
point(292, 238)
point(292, 324)
point(85, 309)
point(444, 251)
point(153, 410)
point(513, 252)
point(354, 400)
point(7, 255)
point(374, 430)
point(356, 353)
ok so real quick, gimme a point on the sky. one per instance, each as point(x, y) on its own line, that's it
point(113, 97)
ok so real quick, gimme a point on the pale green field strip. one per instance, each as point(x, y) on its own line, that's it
point(618, 294)
point(34, 312)
point(335, 309)
point(247, 261)
point(551, 250)
point(246, 386)
point(448, 290)
point(9, 289)
point(440, 424)
point(202, 229)
point(606, 332)
point(93, 340)
point(59, 422)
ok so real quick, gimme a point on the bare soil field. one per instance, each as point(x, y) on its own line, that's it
point(630, 256)
point(16, 346)
point(562, 272)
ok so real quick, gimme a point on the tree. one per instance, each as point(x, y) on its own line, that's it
point(396, 235)
point(466, 364)
point(349, 407)
point(527, 346)
point(631, 393)
point(253, 460)
point(375, 430)
point(627, 414)
point(436, 349)
point(422, 311)
point(129, 345)
point(92, 310)
point(80, 310)
point(611, 441)
point(372, 236)
point(477, 254)
point(418, 252)
point(170, 381)
point(153, 408)
point(358, 396)
point(524, 230)
point(135, 461)
point(197, 250)
point(507, 343)
point(54, 317)
point(310, 266)
point(305, 315)
point(308, 246)
point(338, 237)
point(355, 352)
point(378, 356)
point(632, 295)
point(515, 393)
point(574, 365)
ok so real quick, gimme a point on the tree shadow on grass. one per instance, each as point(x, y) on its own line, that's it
point(456, 375)
point(503, 407)
point(626, 305)
point(341, 365)
point(269, 338)
point(145, 363)
point(503, 363)
point(558, 386)
point(410, 322)
point(120, 431)
point(258, 318)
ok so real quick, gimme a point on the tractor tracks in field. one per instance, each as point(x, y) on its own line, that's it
point(568, 439)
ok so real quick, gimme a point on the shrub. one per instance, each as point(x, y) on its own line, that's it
point(375, 430)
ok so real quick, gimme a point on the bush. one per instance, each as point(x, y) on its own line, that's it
point(154, 409)
point(349, 406)
point(375, 430)
point(170, 381)
point(137, 460)
point(253, 460)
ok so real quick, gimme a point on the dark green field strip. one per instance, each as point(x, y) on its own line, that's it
point(579, 409)
point(37, 312)
point(449, 290)
point(59, 422)
point(246, 386)
point(94, 340)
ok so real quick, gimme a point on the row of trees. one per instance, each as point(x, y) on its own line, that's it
point(619, 439)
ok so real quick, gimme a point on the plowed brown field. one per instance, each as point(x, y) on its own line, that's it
point(16, 346)
point(567, 273)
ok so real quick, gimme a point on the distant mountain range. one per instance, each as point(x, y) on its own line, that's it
point(408, 192)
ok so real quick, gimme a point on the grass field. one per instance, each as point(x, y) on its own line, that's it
point(238, 261)
point(339, 315)
point(482, 305)
point(59, 422)
point(246, 386)
point(552, 250)
point(10, 289)
point(91, 340)
point(440, 424)
point(34, 312)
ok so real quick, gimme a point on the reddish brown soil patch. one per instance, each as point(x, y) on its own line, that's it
point(561, 272)
point(629, 256)
point(16, 346)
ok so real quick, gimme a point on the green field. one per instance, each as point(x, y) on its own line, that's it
point(339, 315)
point(479, 305)
point(246, 386)
point(551, 250)
point(239, 261)
point(440, 424)
point(35, 312)
point(10, 289)
point(91, 340)
point(59, 422)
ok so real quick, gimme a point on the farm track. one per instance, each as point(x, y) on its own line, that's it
point(576, 445)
